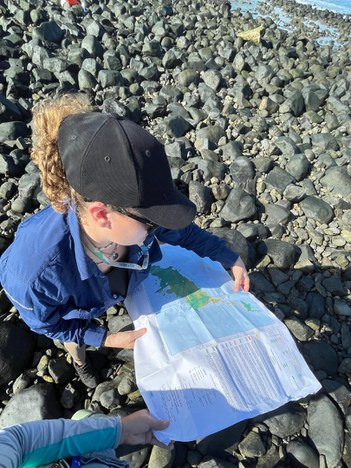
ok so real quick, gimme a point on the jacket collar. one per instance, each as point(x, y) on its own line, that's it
point(86, 266)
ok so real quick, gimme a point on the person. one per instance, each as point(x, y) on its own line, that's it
point(112, 200)
point(88, 442)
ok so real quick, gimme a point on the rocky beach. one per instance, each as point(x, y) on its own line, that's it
point(256, 122)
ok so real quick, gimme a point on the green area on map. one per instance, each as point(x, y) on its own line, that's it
point(171, 281)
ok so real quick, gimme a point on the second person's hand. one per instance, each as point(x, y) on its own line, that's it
point(123, 339)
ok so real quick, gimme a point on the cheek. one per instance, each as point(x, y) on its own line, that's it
point(129, 235)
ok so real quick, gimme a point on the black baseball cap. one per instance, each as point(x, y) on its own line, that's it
point(113, 160)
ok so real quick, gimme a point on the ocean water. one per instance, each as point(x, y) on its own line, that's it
point(328, 34)
point(338, 6)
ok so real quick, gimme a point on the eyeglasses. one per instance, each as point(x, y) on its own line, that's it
point(150, 225)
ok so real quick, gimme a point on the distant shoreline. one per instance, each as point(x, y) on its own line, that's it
point(325, 26)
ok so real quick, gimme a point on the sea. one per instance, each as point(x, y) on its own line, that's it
point(329, 35)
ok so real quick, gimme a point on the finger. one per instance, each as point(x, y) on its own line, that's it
point(158, 424)
point(237, 284)
point(135, 334)
point(246, 285)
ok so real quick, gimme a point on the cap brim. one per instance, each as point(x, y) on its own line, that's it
point(176, 212)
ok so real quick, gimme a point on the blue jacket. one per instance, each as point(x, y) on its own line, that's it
point(58, 289)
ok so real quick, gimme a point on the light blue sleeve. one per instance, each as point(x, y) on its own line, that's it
point(41, 442)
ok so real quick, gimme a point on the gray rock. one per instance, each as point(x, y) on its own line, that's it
point(334, 285)
point(282, 253)
point(86, 80)
point(212, 78)
point(239, 206)
point(287, 146)
point(338, 181)
point(232, 150)
point(108, 78)
point(279, 179)
point(10, 110)
point(345, 367)
point(322, 142)
point(323, 414)
point(68, 396)
point(92, 45)
point(243, 174)
point(212, 133)
point(211, 169)
point(49, 31)
point(317, 209)
point(161, 458)
point(119, 323)
point(270, 458)
point(110, 398)
point(177, 126)
point(21, 205)
point(276, 215)
point(300, 331)
point(126, 385)
point(341, 307)
point(252, 445)
point(286, 421)
point(201, 196)
point(16, 351)
point(303, 454)
point(316, 305)
point(338, 392)
point(322, 356)
point(60, 371)
point(7, 189)
point(298, 166)
point(314, 97)
point(235, 241)
point(176, 150)
point(29, 185)
point(187, 77)
point(13, 130)
point(260, 284)
point(294, 104)
point(31, 404)
point(223, 441)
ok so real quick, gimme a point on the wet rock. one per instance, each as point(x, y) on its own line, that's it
point(16, 350)
point(321, 414)
point(31, 404)
point(322, 356)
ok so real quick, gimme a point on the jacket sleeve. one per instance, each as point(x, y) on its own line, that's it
point(43, 314)
point(38, 443)
point(201, 242)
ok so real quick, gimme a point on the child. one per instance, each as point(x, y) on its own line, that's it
point(112, 199)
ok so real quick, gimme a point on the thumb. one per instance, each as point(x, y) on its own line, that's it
point(138, 333)
point(158, 424)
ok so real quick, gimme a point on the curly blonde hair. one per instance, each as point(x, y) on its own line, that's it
point(47, 118)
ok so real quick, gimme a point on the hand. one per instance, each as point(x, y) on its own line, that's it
point(241, 276)
point(123, 339)
point(138, 428)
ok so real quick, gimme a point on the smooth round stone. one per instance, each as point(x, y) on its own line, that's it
point(302, 453)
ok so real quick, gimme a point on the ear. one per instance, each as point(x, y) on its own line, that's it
point(99, 214)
